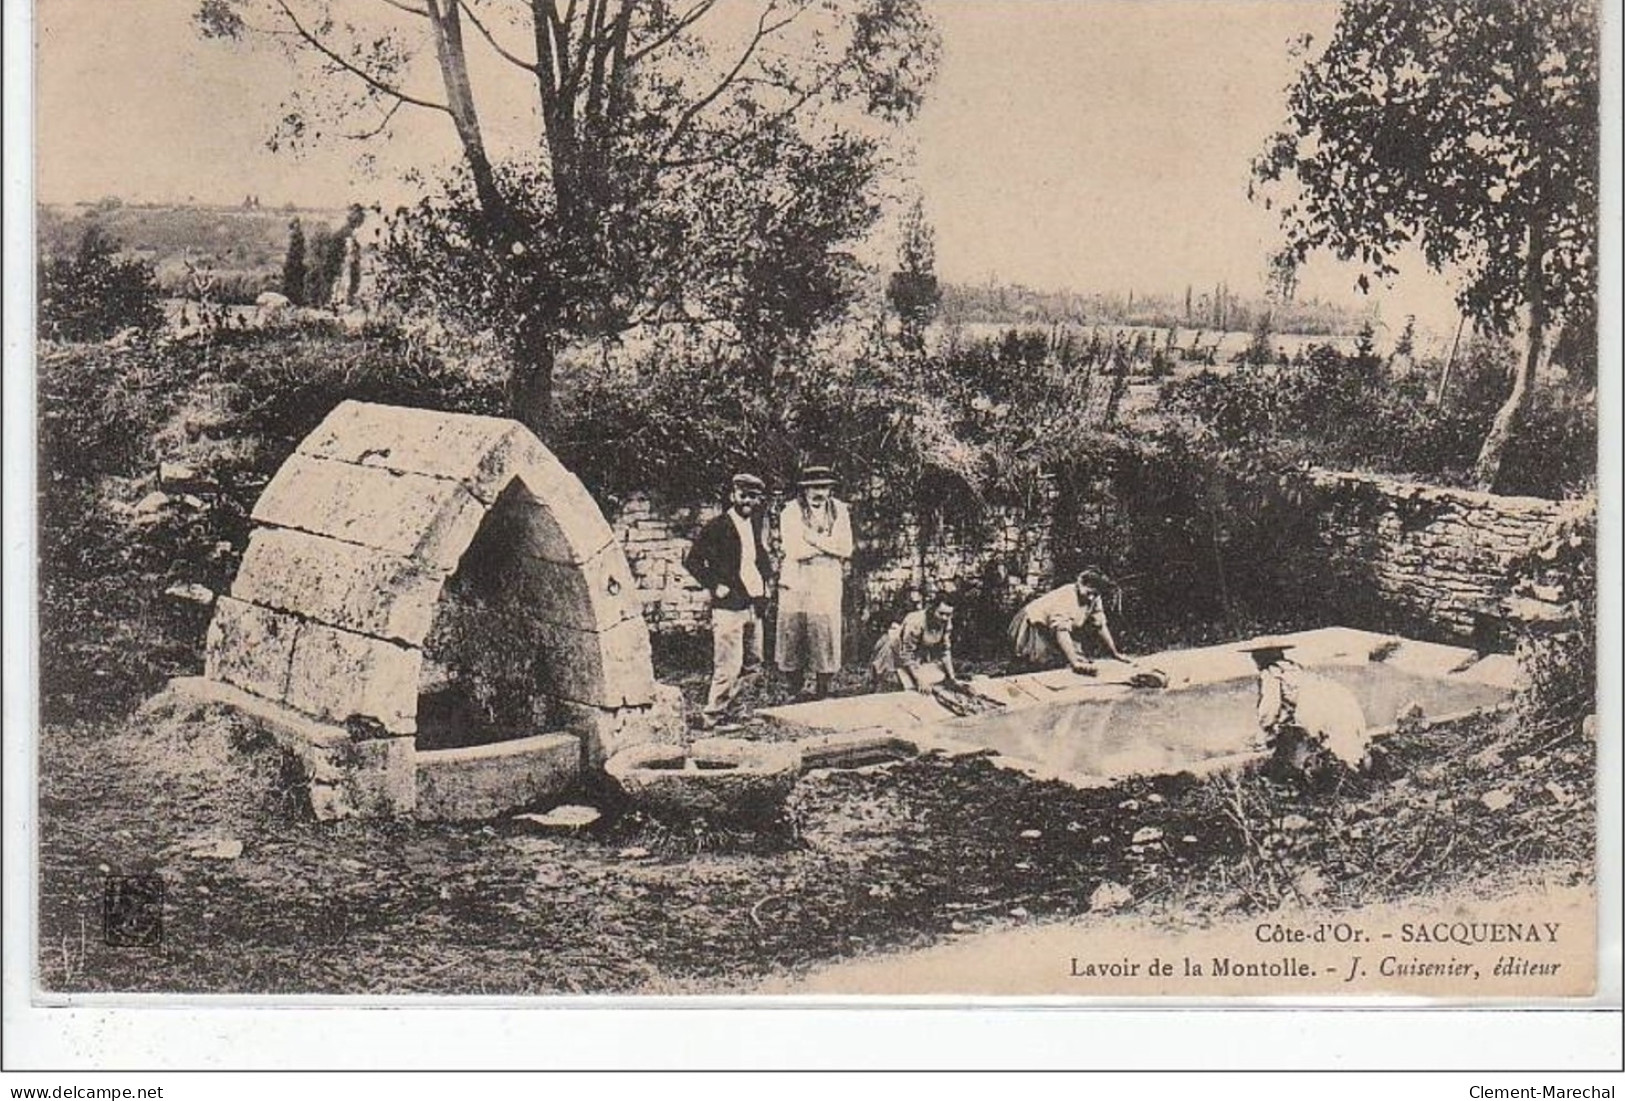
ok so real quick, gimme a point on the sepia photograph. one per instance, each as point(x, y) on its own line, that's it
point(1063, 499)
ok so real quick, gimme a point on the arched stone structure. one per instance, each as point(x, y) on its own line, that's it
point(383, 523)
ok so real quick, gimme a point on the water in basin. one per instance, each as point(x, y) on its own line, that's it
point(1167, 731)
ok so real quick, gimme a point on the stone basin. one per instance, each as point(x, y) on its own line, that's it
point(1090, 731)
point(718, 779)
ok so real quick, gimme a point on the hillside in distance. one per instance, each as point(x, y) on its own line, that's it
point(242, 244)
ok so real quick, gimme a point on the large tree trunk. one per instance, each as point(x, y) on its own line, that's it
point(530, 379)
point(1488, 468)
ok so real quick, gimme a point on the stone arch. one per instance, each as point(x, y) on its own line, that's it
point(355, 540)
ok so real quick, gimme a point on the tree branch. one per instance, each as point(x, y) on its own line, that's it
point(608, 64)
point(590, 32)
point(407, 8)
point(552, 45)
point(685, 21)
point(505, 54)
point(763, 31)
point(381, 127)
point(361, 74)
point(739, 139)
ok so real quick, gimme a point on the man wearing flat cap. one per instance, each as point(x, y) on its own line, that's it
point(815, 534)
point(729, 558)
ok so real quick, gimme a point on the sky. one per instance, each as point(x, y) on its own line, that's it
point(1096, 145)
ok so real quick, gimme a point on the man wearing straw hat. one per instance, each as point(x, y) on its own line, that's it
point(1305, 716)
point(815, 535)
point(729, 558)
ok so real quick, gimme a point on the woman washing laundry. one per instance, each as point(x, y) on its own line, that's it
point(917, 655)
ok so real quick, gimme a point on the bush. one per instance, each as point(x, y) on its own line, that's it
point(1345, 411)
point(233, 407)
point(1205, 547)
point(93, 294)
point(1560, 660)
point(943, 434)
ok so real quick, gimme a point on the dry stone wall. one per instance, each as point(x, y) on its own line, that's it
point(1007, 556)
point(1438, 556)
point(1429, 555)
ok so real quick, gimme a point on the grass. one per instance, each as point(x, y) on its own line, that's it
point(888, 857)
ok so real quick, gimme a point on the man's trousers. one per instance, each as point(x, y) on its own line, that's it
point(735, 637)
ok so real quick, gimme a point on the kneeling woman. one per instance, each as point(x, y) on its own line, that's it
point(917, 653)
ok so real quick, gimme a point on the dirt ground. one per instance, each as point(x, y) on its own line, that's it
point(261, 899)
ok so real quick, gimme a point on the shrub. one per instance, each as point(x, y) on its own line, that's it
point(1560, 659)
point(234, 406)
point(1345, 411)
point(1205, 546)
point(94, 294)
point(947, 433)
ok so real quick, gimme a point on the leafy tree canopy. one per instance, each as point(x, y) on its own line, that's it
point(1469, 127)
point(689, 164)
point(913, 290)
point(1459, 125)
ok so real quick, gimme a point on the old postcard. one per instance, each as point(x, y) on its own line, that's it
point(1050, 500)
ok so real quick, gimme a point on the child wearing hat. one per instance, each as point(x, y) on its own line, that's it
point(1303, 716)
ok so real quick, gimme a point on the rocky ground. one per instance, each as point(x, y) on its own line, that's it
point(261, 899)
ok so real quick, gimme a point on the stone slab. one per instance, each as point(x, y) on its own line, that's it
point(338, 674)
point(489, 780)
point(903, 712)
point(288, 727)
point(410, 441)
point(611, 668)
point(913, 715)
point(250, 647)
point(1211, 664)
point(605, 731)
point(567, 526)
point(1500, 670)
point(854, 749)
point(355, 588)
point(1429, 659)
point(483, 454)
point(412, 515)
point(371, 779)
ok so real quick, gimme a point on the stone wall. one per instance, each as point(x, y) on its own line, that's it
point(1000, 560)
point(655, 540)
point(1432, 555)
point(1426, 557)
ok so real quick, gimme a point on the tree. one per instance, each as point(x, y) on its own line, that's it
point(1281, 277)
point(1471, 128)
point(913, 290)
point(293, 264)
point(318, 284)
point(326, 260)
point(1261, 350)
point(685, 169)
point(94, 294)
